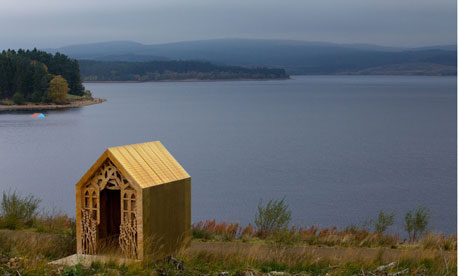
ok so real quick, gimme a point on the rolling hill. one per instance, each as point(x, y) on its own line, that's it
point(297, 57)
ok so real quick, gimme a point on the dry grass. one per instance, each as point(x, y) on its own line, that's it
point(434, 241)
point(211, 230)
point(314, 261)
point(307, 251)
point(31, 244)
point(211, 258)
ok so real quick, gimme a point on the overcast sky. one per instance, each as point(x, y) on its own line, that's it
point(55, 23)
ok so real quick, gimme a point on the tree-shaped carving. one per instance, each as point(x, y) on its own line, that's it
point(88, 238)
point(128, 238)
point(128, 227)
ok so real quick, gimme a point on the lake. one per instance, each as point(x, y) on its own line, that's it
point(339, 148)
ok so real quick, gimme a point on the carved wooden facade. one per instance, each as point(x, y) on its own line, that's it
point(121, 198)
point(108, 177)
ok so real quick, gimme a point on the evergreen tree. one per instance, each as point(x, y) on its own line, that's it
point(29, 72)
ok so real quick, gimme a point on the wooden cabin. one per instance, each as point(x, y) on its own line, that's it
point(134, 199)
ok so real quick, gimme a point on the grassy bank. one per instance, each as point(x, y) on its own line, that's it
point(350, 237)
point(29, 240)
point(28, 253)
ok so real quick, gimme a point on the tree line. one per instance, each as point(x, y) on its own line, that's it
point(37, 76)
point(93, 70)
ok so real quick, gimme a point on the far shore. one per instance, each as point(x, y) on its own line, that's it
point(185, 80)
point(42, 107)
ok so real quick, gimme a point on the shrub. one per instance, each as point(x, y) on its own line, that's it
point(87, 94)
point(18, 98)
point(416, 222)
point(18, 210)
point(383, 222)
point(273, 217)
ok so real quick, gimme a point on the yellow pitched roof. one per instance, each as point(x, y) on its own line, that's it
point(147, 164)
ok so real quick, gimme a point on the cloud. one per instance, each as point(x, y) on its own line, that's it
point(53, 23)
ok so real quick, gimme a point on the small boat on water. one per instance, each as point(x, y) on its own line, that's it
point(38, 115)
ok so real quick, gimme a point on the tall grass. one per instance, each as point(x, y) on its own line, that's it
point(21, 212)
point(352, 236)
point(36, 245)
point(51, 235)
point(257, 260)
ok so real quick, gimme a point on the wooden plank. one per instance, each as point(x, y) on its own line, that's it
point(171, 167)
point(153, 163)
point(169, 160)
point(146, 169)
point(158, 156)
point(130, 165)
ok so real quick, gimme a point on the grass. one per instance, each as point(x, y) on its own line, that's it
point(32, 244)
point(70, 98)
point(41, 237)
point(238, 251)
point(36, 249)
point(21, 212)
point(352, 236)
point(7, 102)
point(85, 96)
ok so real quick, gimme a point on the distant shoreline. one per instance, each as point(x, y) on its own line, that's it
point(42, 107)
point(187, 80)
point(288, 78)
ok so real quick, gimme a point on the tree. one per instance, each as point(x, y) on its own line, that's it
point(27, 72)
point(275, 216)
point(383, 222)
point(18, 98)
point(57, 91)
point(416, 222)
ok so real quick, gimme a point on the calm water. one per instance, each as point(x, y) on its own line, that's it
point(338, 148)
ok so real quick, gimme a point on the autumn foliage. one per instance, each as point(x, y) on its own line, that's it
point(57, 91)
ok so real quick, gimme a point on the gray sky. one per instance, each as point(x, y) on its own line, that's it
point(55, 23)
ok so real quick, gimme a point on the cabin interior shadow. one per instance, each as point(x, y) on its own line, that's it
point(110, 214)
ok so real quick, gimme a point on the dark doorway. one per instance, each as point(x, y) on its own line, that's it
point(109, 228)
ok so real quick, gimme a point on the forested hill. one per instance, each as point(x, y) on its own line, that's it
point(296, 57)
point(92, 70)
point(36, 76)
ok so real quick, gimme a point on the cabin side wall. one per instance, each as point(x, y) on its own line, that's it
point(166, 217)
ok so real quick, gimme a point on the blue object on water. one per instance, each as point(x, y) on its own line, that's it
point(41, 115)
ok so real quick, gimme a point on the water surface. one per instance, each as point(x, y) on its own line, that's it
point(339, 148)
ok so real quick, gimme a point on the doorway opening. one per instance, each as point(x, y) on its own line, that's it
point(110, 220)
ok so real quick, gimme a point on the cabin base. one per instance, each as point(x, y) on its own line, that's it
point(87, 260)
